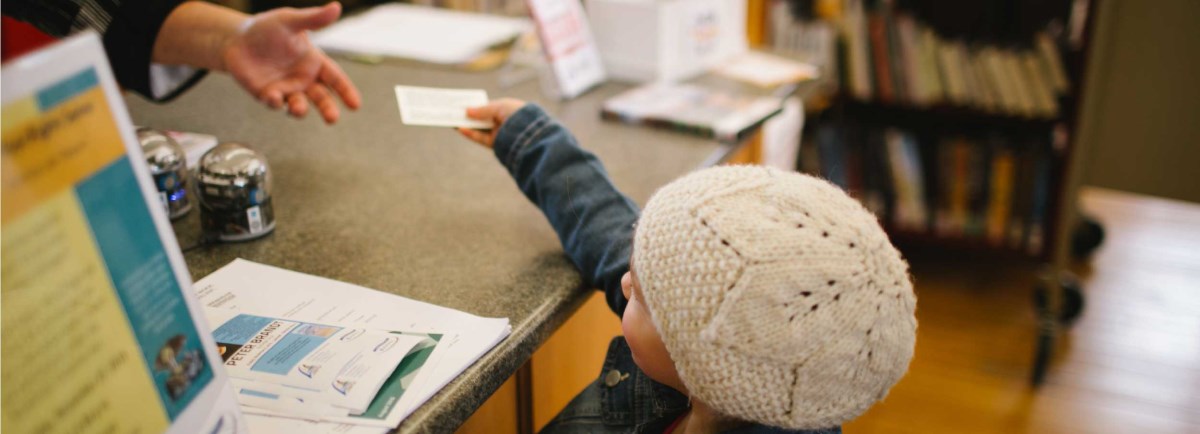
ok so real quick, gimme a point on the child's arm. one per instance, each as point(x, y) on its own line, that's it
point(593, 220)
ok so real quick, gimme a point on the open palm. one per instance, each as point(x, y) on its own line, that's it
point(273, 58)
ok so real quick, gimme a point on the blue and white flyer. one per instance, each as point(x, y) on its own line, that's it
point(346, 366)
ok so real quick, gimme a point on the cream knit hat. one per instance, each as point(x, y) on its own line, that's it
point(779, 298)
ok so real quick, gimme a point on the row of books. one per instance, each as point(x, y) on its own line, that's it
point(890, 56)
point(990, 189)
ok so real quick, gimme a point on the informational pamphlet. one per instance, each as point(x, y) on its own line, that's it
point(102, 332)
point(284, 401)
point(344, 366)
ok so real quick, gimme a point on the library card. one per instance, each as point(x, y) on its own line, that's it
point(437, 107)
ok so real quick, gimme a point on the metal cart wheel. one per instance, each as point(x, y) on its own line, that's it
point(1059, 301)
point(1072, 298)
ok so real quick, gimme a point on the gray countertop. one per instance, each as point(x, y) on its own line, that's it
point(418, 211)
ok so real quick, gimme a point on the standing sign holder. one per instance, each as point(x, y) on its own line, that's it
point(101, 330)
point(568, 45)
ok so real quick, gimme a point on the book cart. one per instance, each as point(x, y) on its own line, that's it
point(946, 119)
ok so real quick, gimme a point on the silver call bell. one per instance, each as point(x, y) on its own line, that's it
point(168, 168)
point(234, 187)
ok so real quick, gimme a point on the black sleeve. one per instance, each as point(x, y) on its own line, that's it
point(128, 28)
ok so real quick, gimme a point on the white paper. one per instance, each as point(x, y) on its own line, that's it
point(195, 145)
point(437, 107)
point(421, 33)
point(293, 406)
point(248, 286)
point(766, 70)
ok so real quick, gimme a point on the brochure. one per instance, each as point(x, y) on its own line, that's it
point(101, 329)
point(344, 366)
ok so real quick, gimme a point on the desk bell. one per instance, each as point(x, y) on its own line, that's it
point(234, 187)
point(168, 167)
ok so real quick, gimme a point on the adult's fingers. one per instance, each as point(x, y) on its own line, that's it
point(278, 92)
point(321, 98)
point(273, 98)
point(297, 104)
point(286, 86)
point(332, 75)
point(311, 18)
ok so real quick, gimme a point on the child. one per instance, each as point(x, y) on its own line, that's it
point(752, 300)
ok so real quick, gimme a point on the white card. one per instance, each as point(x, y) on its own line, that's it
point(438, 107)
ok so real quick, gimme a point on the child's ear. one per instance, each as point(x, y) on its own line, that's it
point(627, 284)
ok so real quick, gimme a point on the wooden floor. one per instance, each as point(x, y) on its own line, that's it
point(1130, 364)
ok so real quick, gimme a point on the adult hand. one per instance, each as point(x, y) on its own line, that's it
point(496, 112)
point(272, 57)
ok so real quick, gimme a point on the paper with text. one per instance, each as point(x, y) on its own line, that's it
point(101, 331)
point(346, 366)
point(437, 107)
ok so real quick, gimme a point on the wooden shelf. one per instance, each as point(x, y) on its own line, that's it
point(942, 117)
point(909, 240)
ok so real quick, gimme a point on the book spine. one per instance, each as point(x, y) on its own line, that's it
point(857, 48)
point(932, 75)
point(1022, 194)
point(945, 187)
point(1052, 61)
point(880, 61)
point(899, 63)
point(960, 205)
point(876, 197)
point(1000, 201)
point(833, 165)
point(916, 78)
point(902, 211)
point(978, 195)
point(1039, 204)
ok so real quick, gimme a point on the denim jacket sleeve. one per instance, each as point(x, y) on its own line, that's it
point(593, 220)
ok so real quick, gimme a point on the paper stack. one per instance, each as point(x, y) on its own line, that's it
point(420, 33)
point(712, 113)
point(313, 355)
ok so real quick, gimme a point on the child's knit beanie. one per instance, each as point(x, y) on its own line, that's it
point(779, 298)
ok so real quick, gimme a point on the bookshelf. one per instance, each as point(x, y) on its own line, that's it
point(953, 121)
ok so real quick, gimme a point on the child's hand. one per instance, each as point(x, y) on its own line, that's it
point(495, 112)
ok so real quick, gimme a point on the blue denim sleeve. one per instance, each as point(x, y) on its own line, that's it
point(593, 220)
